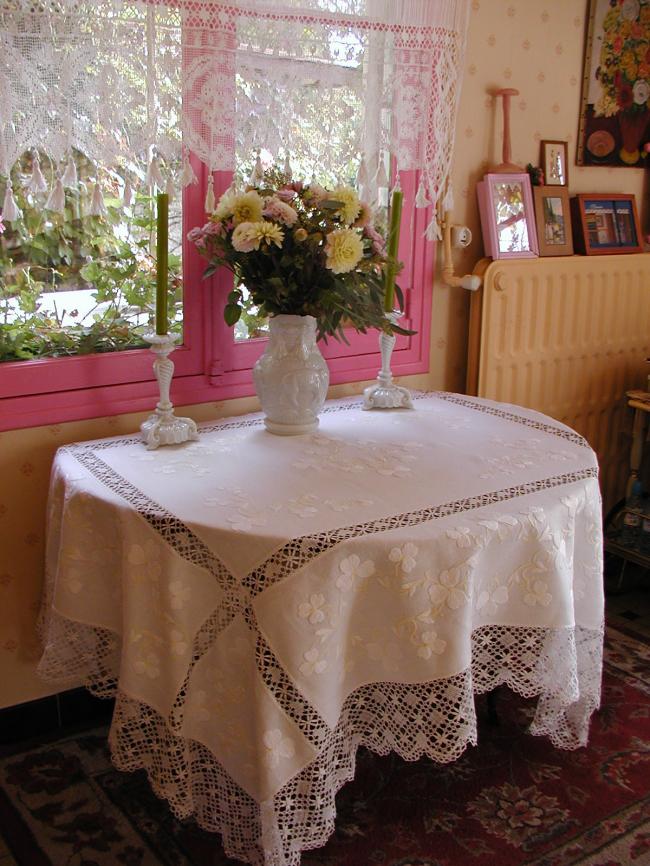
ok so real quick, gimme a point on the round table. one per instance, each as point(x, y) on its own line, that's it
point(260, 606)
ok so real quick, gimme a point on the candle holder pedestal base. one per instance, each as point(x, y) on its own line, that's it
point(163, 427)
point(385, 394)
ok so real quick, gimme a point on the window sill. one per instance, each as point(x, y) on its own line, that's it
point(18, 412)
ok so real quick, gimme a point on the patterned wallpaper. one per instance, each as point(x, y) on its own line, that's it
point(535, 47)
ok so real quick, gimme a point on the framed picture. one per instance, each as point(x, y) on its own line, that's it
point(553, 159)
point(615, 85)
point(605, 224)
point(553, 219)
point(505, 204)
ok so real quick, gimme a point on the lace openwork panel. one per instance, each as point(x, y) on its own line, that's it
point(332, 85)
point(260, 611)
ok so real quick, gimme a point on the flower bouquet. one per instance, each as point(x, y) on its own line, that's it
point(302, 250)
point(311, 260)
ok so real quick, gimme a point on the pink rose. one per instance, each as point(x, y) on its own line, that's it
point(279, 211)
point(286, 193)
point(195, 235)
point(214, 227)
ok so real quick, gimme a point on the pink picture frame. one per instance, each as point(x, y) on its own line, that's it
point(507, 214)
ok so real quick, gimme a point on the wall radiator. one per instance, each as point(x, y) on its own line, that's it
point(567, 336)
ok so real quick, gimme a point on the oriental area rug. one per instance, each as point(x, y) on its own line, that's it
point(514, 800)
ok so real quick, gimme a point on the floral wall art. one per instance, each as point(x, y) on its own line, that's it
point(614, 127)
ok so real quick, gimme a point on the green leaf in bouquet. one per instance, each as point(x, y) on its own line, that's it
point(232, 313)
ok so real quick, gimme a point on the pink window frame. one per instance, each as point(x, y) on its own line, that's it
point(210, 365)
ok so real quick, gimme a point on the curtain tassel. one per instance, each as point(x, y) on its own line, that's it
point(287, 167)
point(188, 177)
point(381, 178)
point(258, 172)
point(433, 232)
point(421, 199)
point(397, 187)
point(56, 199)
point(69, 177)
point(209, 196)
point(170, 189)
point(37, 182)
point(97, 206)
point(127, 195)
point(362, 173)
point(154, 176)
point(10, 210)
point(448, 201)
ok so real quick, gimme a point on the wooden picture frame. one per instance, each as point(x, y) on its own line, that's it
point(553, 220)
point(606, 223)
point(507, 216)
point(554, 162)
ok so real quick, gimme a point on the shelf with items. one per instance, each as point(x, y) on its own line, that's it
point(629, 538)
point(627, 528)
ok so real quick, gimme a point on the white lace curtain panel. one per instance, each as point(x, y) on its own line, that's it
point(137, 86)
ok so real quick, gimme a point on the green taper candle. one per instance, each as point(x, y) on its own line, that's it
point(162, 244)
point(392, 249)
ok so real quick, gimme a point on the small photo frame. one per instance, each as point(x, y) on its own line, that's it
point(553, 219)
point(505, 204)
point(553, 158)
point(604, 224)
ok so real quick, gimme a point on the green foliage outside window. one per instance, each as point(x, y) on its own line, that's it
point(112, 257)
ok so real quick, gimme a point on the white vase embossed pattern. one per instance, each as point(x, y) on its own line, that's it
point(291, 377)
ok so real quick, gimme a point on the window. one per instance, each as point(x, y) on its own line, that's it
point(317, 83)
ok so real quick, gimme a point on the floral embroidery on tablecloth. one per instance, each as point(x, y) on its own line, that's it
point(277, 746)
point(313, 609)
point(313, 662)
point(353, 571)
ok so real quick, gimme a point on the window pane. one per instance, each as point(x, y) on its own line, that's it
point(78, 283)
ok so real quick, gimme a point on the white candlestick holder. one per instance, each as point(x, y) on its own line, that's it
point(163, 427)
point(385, 394)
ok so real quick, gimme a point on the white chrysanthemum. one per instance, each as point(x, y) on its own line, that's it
point(641, 91)
point(343, 251)
point(247, 207)
point(605, 106)
point(351, 207)
point(243, 238)
point(225, 206)
point(630, 9)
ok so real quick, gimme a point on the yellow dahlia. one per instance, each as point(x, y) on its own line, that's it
point(351, 205)
point(247, 207)
point(267, 233)
point(343, 251)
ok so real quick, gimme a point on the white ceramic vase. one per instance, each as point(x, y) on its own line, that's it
point(291, 377)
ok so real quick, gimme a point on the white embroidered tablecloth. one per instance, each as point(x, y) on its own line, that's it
point(262, 605)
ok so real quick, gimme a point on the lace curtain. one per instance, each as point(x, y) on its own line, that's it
point(343, 88)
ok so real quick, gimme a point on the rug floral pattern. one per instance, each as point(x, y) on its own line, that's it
point(514, 800)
